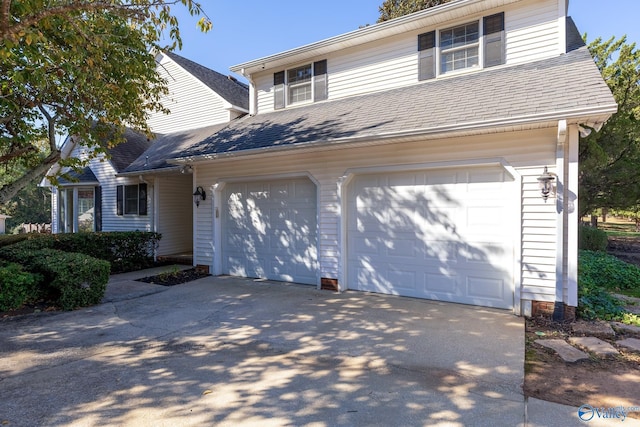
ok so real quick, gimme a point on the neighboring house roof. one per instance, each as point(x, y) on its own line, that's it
point(233, 91)
point(85, 176)
point(567, 86)
point(123, 154)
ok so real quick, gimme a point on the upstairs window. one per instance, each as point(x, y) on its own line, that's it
point(301, 84)
point(459, 47)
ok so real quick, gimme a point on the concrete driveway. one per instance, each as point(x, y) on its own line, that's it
point(225, 351)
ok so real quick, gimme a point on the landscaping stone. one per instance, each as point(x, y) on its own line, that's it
point(628, 329)
point(567, 352)
point(630, 343)
point(593, 328)
point(595, 345)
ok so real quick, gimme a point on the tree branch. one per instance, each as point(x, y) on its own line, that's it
point(17, 153)
point(11, 190)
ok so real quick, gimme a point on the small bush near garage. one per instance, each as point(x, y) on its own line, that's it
point(599, 274)
point(125, 251)
point(592, 239)
point(68, 279)
point(16, 286)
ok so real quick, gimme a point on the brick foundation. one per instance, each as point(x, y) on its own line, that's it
point(329, 284)
point(563, 312)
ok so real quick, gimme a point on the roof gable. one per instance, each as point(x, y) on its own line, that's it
point(231, 90)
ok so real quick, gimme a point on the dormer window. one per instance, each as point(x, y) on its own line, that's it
point(301, 84)
point(461, 47)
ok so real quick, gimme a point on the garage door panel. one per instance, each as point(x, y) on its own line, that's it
point(269, 230)
point(445, 227)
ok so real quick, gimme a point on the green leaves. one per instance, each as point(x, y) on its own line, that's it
point(391, 9)
point(609, 159)
point(76, 68)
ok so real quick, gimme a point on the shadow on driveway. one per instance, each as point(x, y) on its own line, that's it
point(229, 351)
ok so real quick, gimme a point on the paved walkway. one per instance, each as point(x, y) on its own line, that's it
point(227, 351)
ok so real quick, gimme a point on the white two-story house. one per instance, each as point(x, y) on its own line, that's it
point(98, 199)
point(406, 158)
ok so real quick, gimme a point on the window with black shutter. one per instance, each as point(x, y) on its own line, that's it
point(426, 55)
point(494, 43)
point(300, 84)
point(131, 199)
point(320, 80)
point(278, 90)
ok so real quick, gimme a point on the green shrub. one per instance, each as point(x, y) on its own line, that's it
point(70, 279)
point(607, 271)
point(126, 250)
point(598, 275)
point(16, 286)
point(11, 239)
point(592, 239)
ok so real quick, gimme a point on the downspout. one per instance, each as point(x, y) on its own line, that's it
point(252, 93)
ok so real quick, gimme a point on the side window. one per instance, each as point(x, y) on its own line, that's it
point(300, 84)
point(131, 199)
point(494, 44)
point(427, 55)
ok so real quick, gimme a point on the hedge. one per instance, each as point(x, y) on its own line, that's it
point(16, 286)
point(592, 239)
point(69, 279)
point(124, 250)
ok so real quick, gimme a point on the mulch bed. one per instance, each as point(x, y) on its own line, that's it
point(172, 278)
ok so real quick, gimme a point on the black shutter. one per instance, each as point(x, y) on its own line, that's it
point(142, 199)
point(427, 55)
point(320, 80)
point(119, 199)
point(494, 44)
point(278, 90)
point(97, 207)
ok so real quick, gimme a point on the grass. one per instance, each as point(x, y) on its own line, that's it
point(618, 227)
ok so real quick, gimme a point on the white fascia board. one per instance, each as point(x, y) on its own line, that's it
point(424, 18)
point(162, 171)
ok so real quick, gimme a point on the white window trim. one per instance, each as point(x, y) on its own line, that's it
point(288, 86)
point(479, 44)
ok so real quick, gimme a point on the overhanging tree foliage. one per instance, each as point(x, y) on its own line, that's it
point(610, 159)
point(83, 68)
point(391, 9)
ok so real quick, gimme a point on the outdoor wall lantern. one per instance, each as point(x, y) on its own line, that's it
point(546, 183)
point(199, 195)
point(188, 169)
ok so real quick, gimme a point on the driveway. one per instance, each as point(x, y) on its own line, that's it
point(226, 351)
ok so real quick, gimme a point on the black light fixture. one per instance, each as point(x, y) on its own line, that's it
point(546, 183)
point(199, 195)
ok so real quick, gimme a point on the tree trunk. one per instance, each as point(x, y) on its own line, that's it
point(10, 190)
point(605, 212)
point(594, 221)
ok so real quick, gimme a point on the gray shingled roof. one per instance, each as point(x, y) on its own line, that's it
point(84, 176)
point(552, 87)
point(233, 91)
point(123, 154)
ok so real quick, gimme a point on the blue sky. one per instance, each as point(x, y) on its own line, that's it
point(255, 28)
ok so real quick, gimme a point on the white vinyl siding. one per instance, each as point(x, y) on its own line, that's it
point(532, 32)
point(192, 104)
point(175, 218)
point(105, 174)
point(527, 152)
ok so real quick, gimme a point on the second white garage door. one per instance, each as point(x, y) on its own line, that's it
point(269, 230)
point(442, 234)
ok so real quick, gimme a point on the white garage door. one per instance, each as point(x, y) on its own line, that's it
point(440, 234)
point(269, 230)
